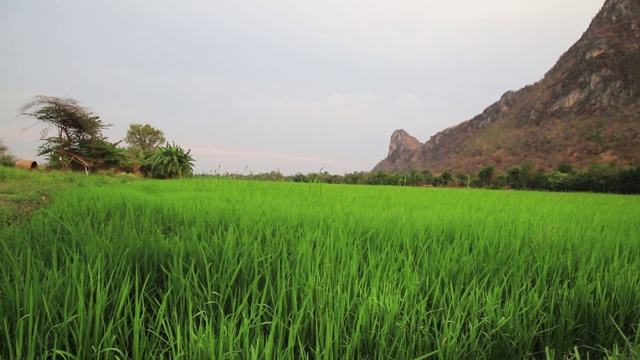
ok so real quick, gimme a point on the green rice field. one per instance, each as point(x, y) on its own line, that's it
point(223, 269)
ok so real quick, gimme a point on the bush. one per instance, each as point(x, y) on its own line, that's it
point(7, 160)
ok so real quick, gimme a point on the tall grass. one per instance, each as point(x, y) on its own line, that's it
point(215, 269)
point(22, 191)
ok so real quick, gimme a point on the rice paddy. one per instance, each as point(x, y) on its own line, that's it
point(222, 269)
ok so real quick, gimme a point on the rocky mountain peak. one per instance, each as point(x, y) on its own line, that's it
point(584, 110)
point(402, 149)
point(601, 69)
point(401, 142)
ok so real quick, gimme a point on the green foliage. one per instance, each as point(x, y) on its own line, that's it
point(464, 179)
point(486, 176)
point(218, 269)
point(515, 180)
point(6, 158)
point(447, 178)
point(23, 192)
point(71, 129)
point(356, 178)
point(415, 178)
point(106, 155)
point(379, 178)
point(143, 141)
point(144, 138)
point(171, 161)
point(427, 175)
point(556, 180)
point(599, 178)
point(565, 168)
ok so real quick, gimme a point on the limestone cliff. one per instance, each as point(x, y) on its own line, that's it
point(584, 110)
point(402, 151)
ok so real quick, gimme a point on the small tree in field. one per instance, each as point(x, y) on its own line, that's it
point(143, 141)
point(6, 159)
point(447, 178)
point(171, 161)
point(77, 133)
point(145, 138)
point(486, 176)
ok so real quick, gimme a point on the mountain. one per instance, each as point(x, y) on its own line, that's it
point(585, 110)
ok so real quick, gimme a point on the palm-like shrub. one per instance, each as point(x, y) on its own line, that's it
point(171, 161)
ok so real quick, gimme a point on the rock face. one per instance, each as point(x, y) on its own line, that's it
point(586, 109)
point(402, 150)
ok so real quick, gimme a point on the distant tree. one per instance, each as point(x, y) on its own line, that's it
point(76, 131)
point(565, 168)
point(527, 174)
point(6, 158)
point(514, 180)
point(500, 181)
point(446, 177)
point(332, 178)
point(415, 178)
point(143, 140)
point(486, 176)
point(520, 177)
point(629, 181)
point(299, 177)
point(275, 176)
point(427, 175)
point(539, 181)
point(556, 180)
point(313, 178)
point(361, 177)
point(464, 179)
point(379, 178)
point(399, 179)
point(171, 161)
point(601, 178)
point(144, 137)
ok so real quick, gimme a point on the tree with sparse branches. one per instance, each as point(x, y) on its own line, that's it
point(72, 132)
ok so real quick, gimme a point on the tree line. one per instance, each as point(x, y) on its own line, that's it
point(73, 139)
point(599, 178)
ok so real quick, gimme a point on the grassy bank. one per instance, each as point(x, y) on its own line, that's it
point(231, 269)
point(22, 191)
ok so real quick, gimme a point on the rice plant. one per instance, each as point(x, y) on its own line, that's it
point(215, 269)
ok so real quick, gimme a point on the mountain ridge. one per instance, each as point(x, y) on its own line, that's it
point(584, 110)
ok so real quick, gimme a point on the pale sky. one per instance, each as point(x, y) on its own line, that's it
point(278, 84)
